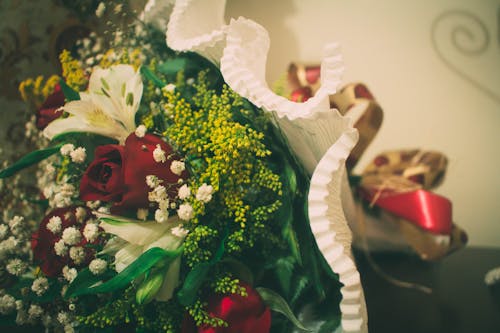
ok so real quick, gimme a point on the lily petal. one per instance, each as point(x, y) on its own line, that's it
point(79, 124)
point(139, 233)
point(170, 282)
point(126, 256)
point(113, 246)
point(116, 83)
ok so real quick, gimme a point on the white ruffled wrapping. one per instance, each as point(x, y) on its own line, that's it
point(198, 26)
point(333, 236)
point(310, 127)
point(320, 137)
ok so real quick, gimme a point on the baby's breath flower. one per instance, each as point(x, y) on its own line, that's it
point(98, 266)
point(177, 167)
point(69, 273)
point(60, 248)
point(161, 215)
point(63, 317)
point(71, 236)
point(49, 169)
point(118, 8)
point(7, 304)
point(159, 154)
point(3, 231)
point(15, 224)
point(80, 214)
point(204, 193)
point(99, 12)
point(40, 286)
point(184, 192)
point(169, 87)
point(78, 155)
point(90, 232)
point(68, 328)
point(77, 253)
point(16, 267)
point(152, 181)
point(8, 245)
point(140, 131)
point(55, 224)
point(35, 311)
point(179, 231)
point(93, 204)
point(67, 149)
point(185, 212)
point(159, 194)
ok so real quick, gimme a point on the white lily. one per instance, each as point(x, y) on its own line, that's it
point(320, 137)
point(107, 108)
point(136, 237)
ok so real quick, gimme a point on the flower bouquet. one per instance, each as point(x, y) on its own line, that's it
point(177, 192)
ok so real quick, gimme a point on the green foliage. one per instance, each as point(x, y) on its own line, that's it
point(29, 160)
point(155, 317)
point(69, 93)
point(141, 265)
point(196, 277)
point(278, 304)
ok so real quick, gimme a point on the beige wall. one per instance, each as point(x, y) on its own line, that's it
point(388, 45)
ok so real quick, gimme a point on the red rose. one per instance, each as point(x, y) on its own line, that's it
point(242, 314)
point(48, 111)
point(43, 240)
point(118, 173)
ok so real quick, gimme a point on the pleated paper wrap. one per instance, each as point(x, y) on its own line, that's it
point(320, 137)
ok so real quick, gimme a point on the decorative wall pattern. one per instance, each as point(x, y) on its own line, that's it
point(460, 32)
point(32, 34)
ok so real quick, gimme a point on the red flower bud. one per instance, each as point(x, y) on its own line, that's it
point(48, 111)
point(242, 314)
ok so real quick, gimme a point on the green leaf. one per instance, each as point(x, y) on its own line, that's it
point(291, 178)
point(84, 280)
point(152, 77)
point(278, 304)
point(284, 272)
point(330, 325)
point(299, 287)
point(195, 278)
point(290, 236)
point(286, 212)
point(28, 160)
point(173, 66)
point(141, 265)
point(69, 93)
point(192, 283)
point(114, 221)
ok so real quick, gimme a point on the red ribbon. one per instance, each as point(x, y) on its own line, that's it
point(425, 209)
